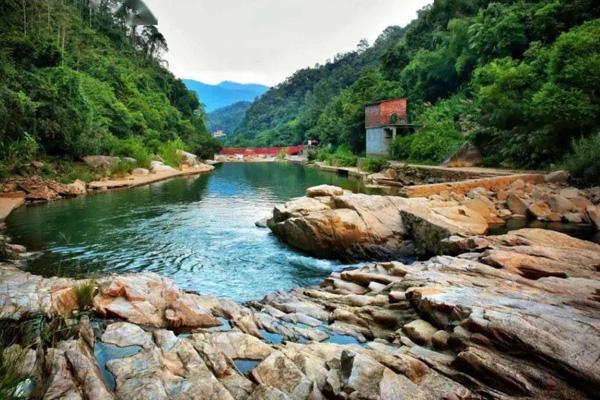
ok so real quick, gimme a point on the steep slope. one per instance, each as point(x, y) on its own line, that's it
point(75, 81)
point(228, 118)
point(225, 93)
point(517, 78)
point(283, 114)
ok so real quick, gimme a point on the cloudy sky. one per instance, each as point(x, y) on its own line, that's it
point(265, 41)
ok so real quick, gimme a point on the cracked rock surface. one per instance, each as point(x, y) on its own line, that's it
point(478, 324)
point(331, 223)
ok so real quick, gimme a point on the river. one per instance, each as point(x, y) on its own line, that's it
point(197, 231)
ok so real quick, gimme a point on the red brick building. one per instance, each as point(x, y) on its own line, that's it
point(383, 121)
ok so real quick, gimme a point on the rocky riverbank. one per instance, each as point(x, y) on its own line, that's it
point(332, 223)
point(512, 316)
point(35, 189)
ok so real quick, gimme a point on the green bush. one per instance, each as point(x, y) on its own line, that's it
point(343, 157)
point(132, 147)
point(372, 164)
point(584, 161)
point(23, 149)
point(429, 147)
point(67, 171)
point(122, 168)
point(4, 172)
point(170, 152)
point(323, 154)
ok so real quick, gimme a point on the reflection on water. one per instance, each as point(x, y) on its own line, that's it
point(198, 231)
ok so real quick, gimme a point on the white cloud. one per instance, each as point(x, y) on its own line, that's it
point(265, 41)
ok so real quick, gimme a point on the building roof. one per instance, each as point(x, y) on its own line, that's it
point(376, 103)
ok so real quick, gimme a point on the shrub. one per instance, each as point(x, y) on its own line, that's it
point(323, 155)
point(132, 147)
point(170, 152)
point(78, 171)
point(67, 171)
point(122, 168)
point(428, 147)
point(372, 164)
point(4, 172)
point(23, 149)
point(343, 157)
point(84, 294)
point(583, 162)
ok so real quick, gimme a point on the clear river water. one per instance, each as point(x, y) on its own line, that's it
point(198, 231)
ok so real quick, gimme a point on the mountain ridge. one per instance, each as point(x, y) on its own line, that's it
point(225, 93)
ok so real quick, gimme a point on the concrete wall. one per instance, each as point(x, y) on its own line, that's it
point(377, 144)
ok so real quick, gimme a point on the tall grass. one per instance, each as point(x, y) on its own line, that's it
point(84, 294)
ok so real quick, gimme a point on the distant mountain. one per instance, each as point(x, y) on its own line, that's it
point(225, 93)
point(227, 119)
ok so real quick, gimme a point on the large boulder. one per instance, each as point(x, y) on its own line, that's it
point(105, 162)
point(188, 158)
point(429, 223)
point(557, 177)
point(467, 156)
point(159, 166)
point(358, 226)
point(150, 299)
point(593, 214)
point(324, 190)
point(352, 226)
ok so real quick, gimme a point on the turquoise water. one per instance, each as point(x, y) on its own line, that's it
point(198, 231)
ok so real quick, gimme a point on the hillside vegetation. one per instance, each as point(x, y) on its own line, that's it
point(76, 81)
point(229, 118)
point(520, 79)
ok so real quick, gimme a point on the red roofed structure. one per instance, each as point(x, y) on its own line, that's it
point(383, 121)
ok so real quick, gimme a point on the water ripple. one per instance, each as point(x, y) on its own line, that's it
point(198, 231)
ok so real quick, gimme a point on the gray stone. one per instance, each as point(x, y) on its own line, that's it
point(419, 331)
point(557, 177)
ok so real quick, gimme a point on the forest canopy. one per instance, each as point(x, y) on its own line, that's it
point(520, 79)
point(77, 80)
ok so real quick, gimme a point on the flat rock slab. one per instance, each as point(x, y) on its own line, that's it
point(454, 327)
point(8, 204)
point(140, 180)
point(497, 182)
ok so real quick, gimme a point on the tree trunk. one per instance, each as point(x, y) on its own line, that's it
point(24, 3)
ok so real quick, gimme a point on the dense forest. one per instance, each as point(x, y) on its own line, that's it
point(77, 78)
point(229, 118)
point(519, 79)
